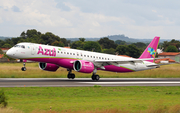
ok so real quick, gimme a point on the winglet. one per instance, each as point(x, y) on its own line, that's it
point(150, 51)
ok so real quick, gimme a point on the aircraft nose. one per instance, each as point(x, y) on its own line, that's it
point(9, 53)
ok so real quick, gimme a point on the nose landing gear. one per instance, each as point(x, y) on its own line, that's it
point(23, 68)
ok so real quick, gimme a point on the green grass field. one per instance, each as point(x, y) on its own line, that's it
point(13, 70)
point(93, 99)
point(90, 99)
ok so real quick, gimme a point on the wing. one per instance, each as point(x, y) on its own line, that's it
point(132, 61)
point(125, 60)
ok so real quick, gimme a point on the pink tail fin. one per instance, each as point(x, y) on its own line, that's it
point(150, 51)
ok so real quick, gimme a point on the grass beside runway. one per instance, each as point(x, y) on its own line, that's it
point(93, 99)
point(13, 70)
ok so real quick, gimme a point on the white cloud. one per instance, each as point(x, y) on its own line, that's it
point(69, 18)
point(1, 20)
point(35, 14)
point(154, 11)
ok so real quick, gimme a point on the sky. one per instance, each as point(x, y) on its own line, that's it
point(142, 19)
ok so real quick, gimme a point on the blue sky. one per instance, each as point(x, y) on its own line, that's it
point(92, 18)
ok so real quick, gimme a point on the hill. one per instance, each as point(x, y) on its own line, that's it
point(3, 38)
point(120, 37)
point(111, 37)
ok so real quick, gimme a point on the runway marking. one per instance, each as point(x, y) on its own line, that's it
point(130, 82)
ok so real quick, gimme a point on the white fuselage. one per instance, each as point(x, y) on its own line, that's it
point(48, 54)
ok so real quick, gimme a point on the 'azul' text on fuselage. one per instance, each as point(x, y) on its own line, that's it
point(47, 52)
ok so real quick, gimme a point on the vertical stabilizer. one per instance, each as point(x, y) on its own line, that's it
point(150, 51)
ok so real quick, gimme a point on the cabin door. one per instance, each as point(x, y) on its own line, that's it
point(33, 49)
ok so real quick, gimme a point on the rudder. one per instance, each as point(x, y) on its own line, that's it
point(150, 51)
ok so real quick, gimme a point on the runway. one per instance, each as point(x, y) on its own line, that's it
point(84, 82)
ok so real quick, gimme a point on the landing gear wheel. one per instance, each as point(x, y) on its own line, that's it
point(68, 76)
point(23, 68)
point(95, 77)
point(71, 75)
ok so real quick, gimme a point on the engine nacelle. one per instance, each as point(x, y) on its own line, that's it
point(48, 66)
point(83, 66)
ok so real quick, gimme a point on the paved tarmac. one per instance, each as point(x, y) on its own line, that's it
point(83, 82)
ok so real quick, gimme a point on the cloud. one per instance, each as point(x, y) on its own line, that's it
point(62, 6)
point(1, 20)
point(15, 9)
point(95, 18)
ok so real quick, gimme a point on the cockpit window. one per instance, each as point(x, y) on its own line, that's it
point(20, 46)
point(17, 46)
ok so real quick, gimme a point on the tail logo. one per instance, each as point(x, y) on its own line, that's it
point(152, 52)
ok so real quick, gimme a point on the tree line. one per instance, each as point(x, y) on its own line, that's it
point(104, 45)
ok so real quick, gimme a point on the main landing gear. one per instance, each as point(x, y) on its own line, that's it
point(70, 75)
point(23, 68)
point(95, 77)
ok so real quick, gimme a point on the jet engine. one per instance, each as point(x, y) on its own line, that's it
point(83, 66)
point(48, 66)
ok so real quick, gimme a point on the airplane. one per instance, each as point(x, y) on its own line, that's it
point(50, 58)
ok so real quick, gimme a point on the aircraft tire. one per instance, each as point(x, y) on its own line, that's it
point(97, 77)
point(93, 77)
point(23, 68)
point(72, 76)
point(69, 76)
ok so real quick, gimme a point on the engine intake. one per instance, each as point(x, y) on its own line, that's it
point(83, 66)
point(48, 66)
